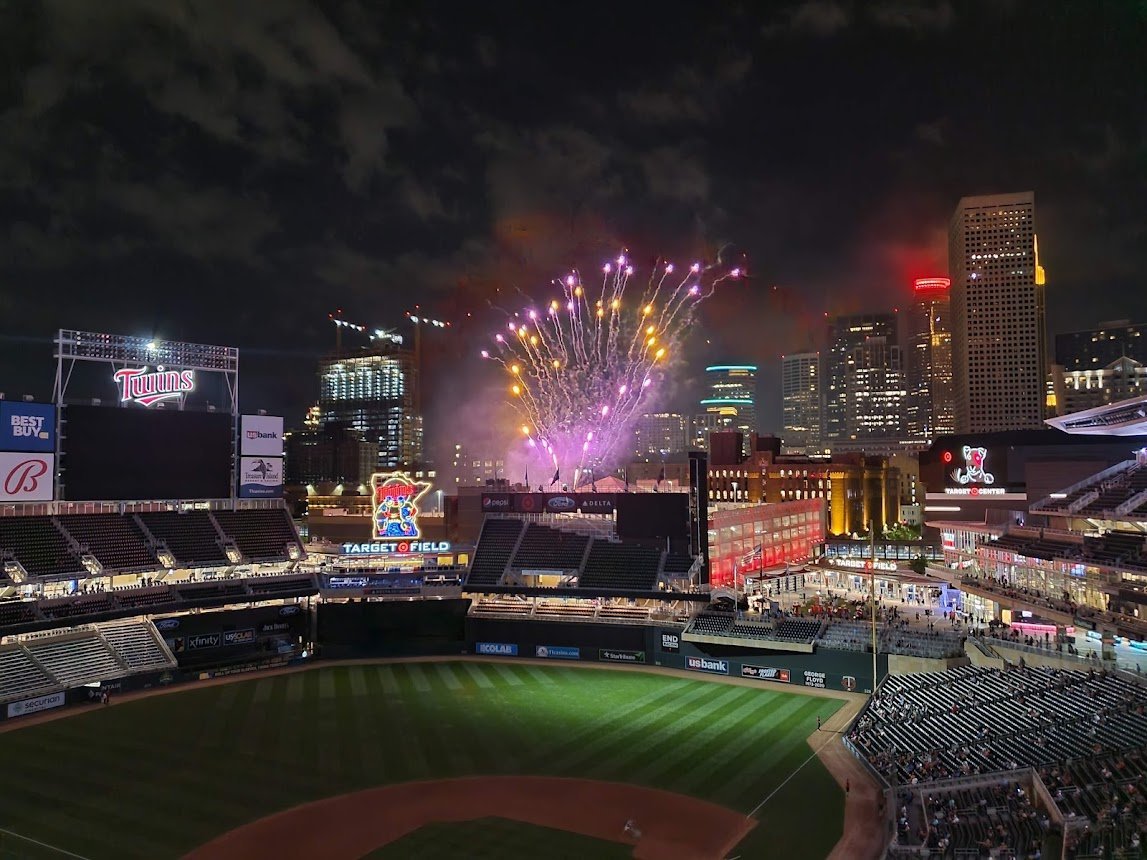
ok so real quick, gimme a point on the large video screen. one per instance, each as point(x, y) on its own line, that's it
point(124, 453)
point(653, 515)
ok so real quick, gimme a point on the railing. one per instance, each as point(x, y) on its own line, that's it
point(29, 509)
point(1079, 485)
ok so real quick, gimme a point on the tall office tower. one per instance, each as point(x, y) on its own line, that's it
point(374, 391)
point(1097, 348)
point(801, 403)
point(733, 397)
point(658, 435)
point(701, 425)
point(931, 407)
point(999, 352)
point(864, 388)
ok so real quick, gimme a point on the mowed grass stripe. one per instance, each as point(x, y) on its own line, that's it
point(389, 681)
point(788, 748)
point(96, 818)
point(590, 728)
point(200, 761)
point(477, 674)
point(724, 734)
point(435, 713)
point(540, 676)
point(446, 676)
point(507, 674)
point(495, 749)
point(719, 763)
point(620, 750)
point(615, 729)
point(418, 677)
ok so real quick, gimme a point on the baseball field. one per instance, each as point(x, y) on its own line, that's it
point(427, 759)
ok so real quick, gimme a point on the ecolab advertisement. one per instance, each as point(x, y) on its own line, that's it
point(26, 477)
point(27, 427)
point(261, 436)
point(260, 477)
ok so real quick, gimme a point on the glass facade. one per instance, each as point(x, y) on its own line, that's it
point(746, 540)
point(375, 393)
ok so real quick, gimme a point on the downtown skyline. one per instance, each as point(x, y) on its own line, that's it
point(322, 157)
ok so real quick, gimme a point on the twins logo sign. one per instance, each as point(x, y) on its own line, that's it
point(26, 477)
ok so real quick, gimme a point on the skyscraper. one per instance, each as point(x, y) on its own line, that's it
point(658, 435)
point(801, 403)
point(999, 353)
point(931, 407)
point(374, 391)
point(1097, 348)
point(733, 397)
point(864, 389)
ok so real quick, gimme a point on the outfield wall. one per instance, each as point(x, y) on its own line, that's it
point(392, 628)
point(663, 646)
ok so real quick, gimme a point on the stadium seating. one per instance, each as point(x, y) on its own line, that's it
point(891, 639)
point(17, 612)
point(620, 566)
point(274, 585)
point(137, 645)
point(495, 546)
point(71, 607)
point(137, 598)
point(677, 565)
point(210, 589)
point(190, 536)
point(711, 623)
point(39, 546)
point(114, 539)
point(260, 534)
point(73, 660)
point(972, 720)
point(19, 676)
point(545, 548)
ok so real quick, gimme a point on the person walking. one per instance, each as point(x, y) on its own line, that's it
point(818, 722)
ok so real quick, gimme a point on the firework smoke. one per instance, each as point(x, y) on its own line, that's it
point(586, 364)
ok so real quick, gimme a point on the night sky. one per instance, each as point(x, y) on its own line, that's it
point(233, 172)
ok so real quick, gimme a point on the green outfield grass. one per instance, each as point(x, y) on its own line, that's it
point(156, 777)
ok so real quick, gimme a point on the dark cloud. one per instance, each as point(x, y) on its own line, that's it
point(234, 172)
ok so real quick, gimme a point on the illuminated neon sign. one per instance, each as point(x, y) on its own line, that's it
point(974, 479)
point(139, 385)
point(395, 498)
point(926, 285)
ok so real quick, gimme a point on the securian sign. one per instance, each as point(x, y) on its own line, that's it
point(139, 385)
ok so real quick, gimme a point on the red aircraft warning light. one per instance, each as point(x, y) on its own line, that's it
point(930, 285)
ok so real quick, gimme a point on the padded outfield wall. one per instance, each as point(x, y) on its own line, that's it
point(663, 646)
point(392, 628)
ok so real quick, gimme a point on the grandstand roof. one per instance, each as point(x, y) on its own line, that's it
point(1125, 418)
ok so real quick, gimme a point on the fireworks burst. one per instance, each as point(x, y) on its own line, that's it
point(585, 365)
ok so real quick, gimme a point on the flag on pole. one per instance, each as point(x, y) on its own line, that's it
point(527, 477)
point(557, 477)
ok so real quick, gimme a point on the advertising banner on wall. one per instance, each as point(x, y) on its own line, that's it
point(557, 652)
point(707, 664)
point(261, 435)
point(33, 706)
point(553, 503)
point(260, 477)
point(27, 427)
point(26, 477)
point(614, 655)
